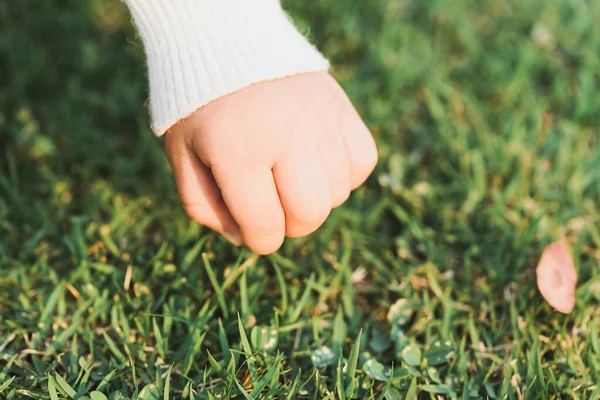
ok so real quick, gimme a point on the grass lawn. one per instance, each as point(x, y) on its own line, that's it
point(487, 117)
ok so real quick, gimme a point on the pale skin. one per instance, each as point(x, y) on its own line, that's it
point(270, 160)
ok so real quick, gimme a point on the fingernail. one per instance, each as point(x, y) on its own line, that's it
point(232, 238)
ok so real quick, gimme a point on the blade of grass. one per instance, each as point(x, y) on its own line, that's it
point(247, 350)
point(215, 284)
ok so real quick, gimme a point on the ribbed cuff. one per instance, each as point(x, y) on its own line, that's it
point(200, 50)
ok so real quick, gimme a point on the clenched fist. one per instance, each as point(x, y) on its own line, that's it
point(270, 160)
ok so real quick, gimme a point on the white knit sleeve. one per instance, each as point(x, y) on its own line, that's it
point(200, 50)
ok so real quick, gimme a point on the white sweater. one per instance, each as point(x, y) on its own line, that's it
point(200, 50)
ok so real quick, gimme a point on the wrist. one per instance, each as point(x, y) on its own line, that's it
point(199, 51)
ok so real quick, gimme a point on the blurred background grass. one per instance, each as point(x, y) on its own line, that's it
point(487, 119)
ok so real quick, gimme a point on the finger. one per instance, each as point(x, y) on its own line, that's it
point(360, 147)
point(332, 153)
point(303, 190)
point(251, 196)
point(200, 196)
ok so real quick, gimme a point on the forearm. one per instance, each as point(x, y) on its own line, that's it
point(200, 50)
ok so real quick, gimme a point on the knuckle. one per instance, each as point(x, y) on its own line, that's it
point(369, 158)
point(340, 196)
point(264, 237)
point(313, 216)
point(320, 215)
point(265, 227)
point(264, 249)
point(364, 164)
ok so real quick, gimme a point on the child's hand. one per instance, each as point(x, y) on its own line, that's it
point(271, 160)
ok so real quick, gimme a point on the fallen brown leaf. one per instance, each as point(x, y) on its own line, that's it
point(557, 278)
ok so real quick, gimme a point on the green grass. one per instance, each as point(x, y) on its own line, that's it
point(487, 116)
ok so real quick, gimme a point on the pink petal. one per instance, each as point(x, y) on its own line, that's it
point(557, 278)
